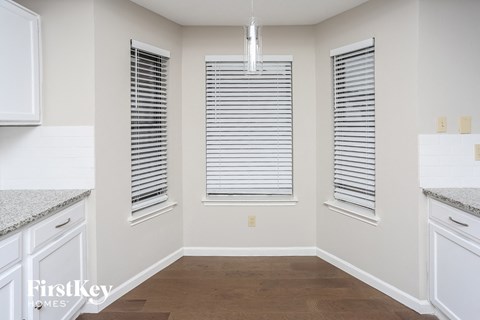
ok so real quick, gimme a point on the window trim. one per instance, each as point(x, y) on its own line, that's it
point(353, 211)
point(148, 47)
point(250, 200)
point(254, 200)
point(213, 58)
point(162, 204)
point(353, 47)
point(151, 212)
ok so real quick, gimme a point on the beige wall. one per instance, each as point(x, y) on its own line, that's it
point(392, 250)
point(123, 250)
point(86, 82)
point(221, 226)
point(68, 82)
point(68, 66)
point(449, 69)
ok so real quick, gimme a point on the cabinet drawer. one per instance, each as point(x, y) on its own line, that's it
point(10, 250)
point(56, 225)
point(456, 219)
point(454, 281)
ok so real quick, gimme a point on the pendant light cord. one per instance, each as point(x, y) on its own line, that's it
point(251, 9)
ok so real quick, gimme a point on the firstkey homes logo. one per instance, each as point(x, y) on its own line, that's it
point(57, 295)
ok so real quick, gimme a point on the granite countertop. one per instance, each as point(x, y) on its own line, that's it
point(21, 207)
point(466, 199)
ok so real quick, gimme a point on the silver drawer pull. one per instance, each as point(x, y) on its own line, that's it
point(458, 222)
point(62, 224)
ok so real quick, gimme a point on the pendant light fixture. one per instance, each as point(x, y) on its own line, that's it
point(253, 45)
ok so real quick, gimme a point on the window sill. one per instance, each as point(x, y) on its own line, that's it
point(353, 211)
point(249, 201)
point(151, 212)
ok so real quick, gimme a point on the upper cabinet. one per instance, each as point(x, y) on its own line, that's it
point(20, 63)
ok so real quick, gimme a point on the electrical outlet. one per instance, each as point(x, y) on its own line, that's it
point(465, 124)
point(441, 124)
point(252, 221)
point(477, 152)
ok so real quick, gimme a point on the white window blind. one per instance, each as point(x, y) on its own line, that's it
point(249, 129)
point(148, 125)
point(354, 124)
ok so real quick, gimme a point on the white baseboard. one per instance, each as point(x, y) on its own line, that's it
point(421, 306)
point(440, 315)
point(133, 282)
point(246, 251)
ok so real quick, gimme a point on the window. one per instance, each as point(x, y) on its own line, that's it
point(148, 70)
point(354, 123)
point(249, 127)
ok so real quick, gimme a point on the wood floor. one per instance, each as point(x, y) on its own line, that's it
point(254, 288)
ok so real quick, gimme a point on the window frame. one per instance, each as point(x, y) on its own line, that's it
point(253, 199)
point(160, 202)
point(364, 210)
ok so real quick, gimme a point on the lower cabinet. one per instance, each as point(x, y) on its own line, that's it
point(454, 264)
point(43, 268)
point(11, 277)
point(11, 294)
point(56, 275)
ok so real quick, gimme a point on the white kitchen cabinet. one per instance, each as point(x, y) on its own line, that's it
point(454, 269)
point(50, 253)
point(57, 257)
point(60, 263)
point(20, 61)
point(11, 278)
point(11, 294)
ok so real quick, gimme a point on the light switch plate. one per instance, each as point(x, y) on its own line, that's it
point(477, 152)
point(465, 124)
point(441, 124)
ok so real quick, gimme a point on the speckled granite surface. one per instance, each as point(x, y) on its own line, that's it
point(21, 207)
point(466, 199)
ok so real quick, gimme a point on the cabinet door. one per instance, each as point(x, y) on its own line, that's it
point(454, 274)
point(11, 294)
point(19, 65)
point(57, 266)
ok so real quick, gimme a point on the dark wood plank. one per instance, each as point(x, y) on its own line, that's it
point(125, 316)
point(255, 288)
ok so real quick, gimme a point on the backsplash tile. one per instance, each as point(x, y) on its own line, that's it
point(56, 157)
point(447, 160)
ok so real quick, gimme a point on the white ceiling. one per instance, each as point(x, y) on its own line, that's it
point(237, 12)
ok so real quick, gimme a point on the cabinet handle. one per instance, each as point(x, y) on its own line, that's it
point(62, 224)
point(458, 222)
point(38, 305)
